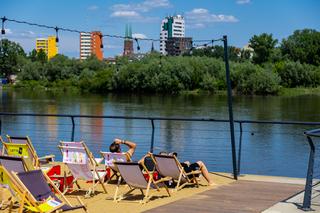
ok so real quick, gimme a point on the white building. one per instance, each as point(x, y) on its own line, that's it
point(85, 45)
point(171, 26)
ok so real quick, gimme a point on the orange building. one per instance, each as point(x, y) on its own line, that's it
point(96, 43)
point(91, 44)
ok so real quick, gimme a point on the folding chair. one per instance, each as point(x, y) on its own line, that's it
point(37, 196)
point(168, 166)
point(26, 140)
point(7, 165)
point(81, 165)
point(111, 157)
point(21, 150)
point(133, 176)
point(84, 145)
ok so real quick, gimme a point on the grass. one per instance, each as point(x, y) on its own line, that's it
point(286, 92)
point(299, 91)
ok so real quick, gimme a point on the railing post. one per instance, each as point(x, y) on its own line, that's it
point(233, 145)
point(73, 128)
point(240, 147)
point(152, 136)
point(308, 188)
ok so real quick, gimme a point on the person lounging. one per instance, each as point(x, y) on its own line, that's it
point(189, 167)
point(116, 146)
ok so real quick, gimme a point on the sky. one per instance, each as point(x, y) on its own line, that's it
point(205, 19)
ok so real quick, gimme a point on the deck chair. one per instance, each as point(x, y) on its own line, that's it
point(84, 145)
point(37, 196)
point(82, 165)
point(21, 150)
point(7, 165)
point(26, 140)
point(111, 157)
point(133, 176)
point(169, 166)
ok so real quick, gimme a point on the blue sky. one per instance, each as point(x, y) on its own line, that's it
point(205, 19)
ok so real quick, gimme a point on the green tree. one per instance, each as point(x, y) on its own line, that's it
point(216, 51)
point(303, 46)
point(33, 55)
point(10, 56)
point(42, 56)
point(263, 46)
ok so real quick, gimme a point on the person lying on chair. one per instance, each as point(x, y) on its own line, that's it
point(116, 146)
point(189, 167)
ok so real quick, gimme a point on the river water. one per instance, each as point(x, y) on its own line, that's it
point(266, 149)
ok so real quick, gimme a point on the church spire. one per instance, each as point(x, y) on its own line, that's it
point(130, 31)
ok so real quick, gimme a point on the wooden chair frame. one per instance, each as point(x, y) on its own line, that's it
point(93, 164)
point(146, 196)
point(182, 174)
point(27, 198)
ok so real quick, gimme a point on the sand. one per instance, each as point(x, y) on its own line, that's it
point(102, 202)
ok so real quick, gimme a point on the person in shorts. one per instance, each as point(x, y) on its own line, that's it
point(197, 166)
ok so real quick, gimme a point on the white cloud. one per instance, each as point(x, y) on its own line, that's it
point(243, 1)
point(8, 31)
point(93, 7)
point(139, 35)
point(20, 34)
point(28, 34)
point(134, 11)
point(199, 11)
point(200, 18)
point(134, 16)
point(125, 14)
point(196, 26)
point(145, 6)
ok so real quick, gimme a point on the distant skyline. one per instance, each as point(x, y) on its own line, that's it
point(205, 19)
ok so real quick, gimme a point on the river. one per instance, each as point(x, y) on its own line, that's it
point(266, 149)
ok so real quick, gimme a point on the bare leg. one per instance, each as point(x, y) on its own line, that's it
point(205, 172)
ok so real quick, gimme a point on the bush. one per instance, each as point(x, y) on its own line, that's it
point(264, 82)
point(295, 74)
point(251, 79)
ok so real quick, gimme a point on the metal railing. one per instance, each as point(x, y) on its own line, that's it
point(307, 200)
point(240, 123)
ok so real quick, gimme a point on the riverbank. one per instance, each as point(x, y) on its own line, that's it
point(58, 88)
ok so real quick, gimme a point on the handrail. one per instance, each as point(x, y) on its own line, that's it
point(306, 206)
point(152, 119)
point(161, 118)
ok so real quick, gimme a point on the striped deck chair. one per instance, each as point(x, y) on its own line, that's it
point(37, 196)
point(168, 166)
point(111, 157)
point(27, 140)
point(133, 176)
point(82, 165)
point(9, 164)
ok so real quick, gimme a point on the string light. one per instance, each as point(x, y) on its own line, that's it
point(57, 29)
point(2, 29)
point(101, 44)
point(138, 46)
point(78, 31)
point(57, 38)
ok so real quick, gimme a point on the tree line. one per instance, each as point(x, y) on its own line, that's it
point(263, 68)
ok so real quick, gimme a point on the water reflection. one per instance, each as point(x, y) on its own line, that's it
point(267, 149)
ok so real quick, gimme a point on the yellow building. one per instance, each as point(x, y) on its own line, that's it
point(48, 45)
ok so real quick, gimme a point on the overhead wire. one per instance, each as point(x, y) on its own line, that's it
point(57, 29)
